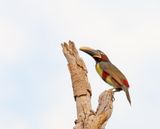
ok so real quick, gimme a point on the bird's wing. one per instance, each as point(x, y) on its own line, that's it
point(114, 72)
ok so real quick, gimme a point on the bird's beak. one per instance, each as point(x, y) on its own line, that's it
point(90, 51)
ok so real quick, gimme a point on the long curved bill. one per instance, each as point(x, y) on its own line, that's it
point(90, 51)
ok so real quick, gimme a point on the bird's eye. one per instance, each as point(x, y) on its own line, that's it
point(101, 52)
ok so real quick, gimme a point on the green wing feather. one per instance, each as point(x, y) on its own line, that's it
point(117, 75)
point(113, 71)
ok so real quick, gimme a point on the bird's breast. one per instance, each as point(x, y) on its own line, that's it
point(99, 69)
point(104, 75)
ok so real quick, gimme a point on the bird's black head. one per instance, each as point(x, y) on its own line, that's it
point(96, 54)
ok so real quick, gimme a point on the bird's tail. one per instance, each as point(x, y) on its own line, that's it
point(127, 94)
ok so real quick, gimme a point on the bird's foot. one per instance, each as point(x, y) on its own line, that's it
point(115, 90)
point(113, 99)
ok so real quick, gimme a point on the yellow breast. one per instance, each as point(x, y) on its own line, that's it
point(99, 69)
point(100, 72)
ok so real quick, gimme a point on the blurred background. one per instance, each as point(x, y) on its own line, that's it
point(35, 84)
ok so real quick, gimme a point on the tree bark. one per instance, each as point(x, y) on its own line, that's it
point(86, 117)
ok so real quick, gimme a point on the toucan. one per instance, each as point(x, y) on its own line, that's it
point(108, 72)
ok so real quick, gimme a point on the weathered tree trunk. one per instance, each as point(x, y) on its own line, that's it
point(86, 117)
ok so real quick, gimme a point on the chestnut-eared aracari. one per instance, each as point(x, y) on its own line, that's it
point(107, 71)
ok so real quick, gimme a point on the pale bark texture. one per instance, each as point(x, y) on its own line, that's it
point(86, 117)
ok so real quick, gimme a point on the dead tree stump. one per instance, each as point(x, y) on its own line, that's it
point(86, 117)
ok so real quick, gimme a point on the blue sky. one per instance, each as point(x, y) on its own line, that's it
point(35, 86)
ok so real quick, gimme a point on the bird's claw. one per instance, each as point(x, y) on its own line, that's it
point(113, 99)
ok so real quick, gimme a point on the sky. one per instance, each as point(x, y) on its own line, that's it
point(35, 84)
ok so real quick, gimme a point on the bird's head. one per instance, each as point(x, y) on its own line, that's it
point(96, 54)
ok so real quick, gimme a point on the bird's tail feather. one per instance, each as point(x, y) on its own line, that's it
point(127, 94)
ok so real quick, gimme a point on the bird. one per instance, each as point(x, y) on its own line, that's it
point(108, 71)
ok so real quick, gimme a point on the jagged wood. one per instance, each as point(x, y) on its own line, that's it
point(86, 117)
